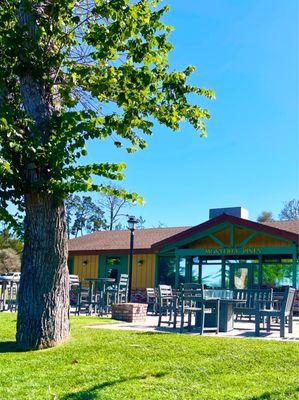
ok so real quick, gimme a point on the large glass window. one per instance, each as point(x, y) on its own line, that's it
point(195, 273)
point(211, 275)
point(195, 270)
point(278, 274)
point(182, 271)
point(166, 271)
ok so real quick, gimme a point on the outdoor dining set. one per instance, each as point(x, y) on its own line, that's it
point(92, 296)
point(95, 296)
point(190, 307)
point(194, 307)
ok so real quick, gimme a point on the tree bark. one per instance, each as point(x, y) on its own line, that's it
point(43, 313)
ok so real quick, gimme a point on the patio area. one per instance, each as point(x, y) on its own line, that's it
point(242, 329)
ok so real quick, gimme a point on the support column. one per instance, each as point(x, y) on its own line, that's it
point(188, 272)
point(223, 273)
point(260, 271)
point(177, 271)
point(231, 276)
point(199, 270)
point(294, 258)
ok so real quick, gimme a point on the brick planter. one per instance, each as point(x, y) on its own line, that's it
point(129, 312)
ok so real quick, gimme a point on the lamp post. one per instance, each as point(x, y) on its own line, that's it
point(131, 226)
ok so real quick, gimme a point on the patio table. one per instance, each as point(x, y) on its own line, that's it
point(226, 312)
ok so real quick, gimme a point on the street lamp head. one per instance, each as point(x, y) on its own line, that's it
point(131, 222)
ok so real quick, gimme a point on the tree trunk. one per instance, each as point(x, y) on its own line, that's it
point(43, 313)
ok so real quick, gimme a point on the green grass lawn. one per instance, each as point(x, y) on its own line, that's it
point(103, 364)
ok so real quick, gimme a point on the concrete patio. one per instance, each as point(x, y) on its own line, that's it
point(242, 329)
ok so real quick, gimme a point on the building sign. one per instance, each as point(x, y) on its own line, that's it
point(230, 251)
point(235, 251)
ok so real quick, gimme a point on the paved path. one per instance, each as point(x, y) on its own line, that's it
point(242, 329)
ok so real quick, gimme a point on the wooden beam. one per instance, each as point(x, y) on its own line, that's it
point(247, 239)
point(232, 236)
point(195, 237)
point(216, 240)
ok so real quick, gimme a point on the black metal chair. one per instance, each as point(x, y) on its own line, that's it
point(283, 310)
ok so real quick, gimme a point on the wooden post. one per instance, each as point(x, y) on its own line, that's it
point(260, 271)
point(188, 273)
point(200, 270)
point(223, 273)
point(294, 258)
point(232, 236)
point(177, 271)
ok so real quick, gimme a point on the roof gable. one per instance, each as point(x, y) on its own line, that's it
point(220, 223)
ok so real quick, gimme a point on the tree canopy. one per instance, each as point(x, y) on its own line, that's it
point(265, 216)
point(290, 210)
point(74, 71)
point(83, 215)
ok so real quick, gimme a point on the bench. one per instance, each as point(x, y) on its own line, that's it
point(251, 296)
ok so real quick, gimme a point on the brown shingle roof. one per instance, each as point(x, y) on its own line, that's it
point(119, 241)
point(290, 226)
point(104, 241)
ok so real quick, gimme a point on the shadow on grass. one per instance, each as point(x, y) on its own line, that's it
point(9, 347)
point(272, 396)
point(93, 392)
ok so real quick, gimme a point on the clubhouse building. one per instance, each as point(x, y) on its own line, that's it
point(226, 251)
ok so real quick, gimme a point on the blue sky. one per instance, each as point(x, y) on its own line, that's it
point(247, 52)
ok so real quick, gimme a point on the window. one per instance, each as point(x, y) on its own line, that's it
point(275, 275)
point(182, 271)
point(166, 271)
point(113, 265)
point(195, 273)
point(211, 275)
point(113, 261)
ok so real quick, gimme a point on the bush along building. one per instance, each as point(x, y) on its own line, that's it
point(226, 251)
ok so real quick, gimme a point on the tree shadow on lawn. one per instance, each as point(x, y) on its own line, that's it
point(12, 347)
point(93, 392)
point(9, 347)
point(272, 395)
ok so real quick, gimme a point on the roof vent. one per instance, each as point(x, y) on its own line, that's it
point(234, 211)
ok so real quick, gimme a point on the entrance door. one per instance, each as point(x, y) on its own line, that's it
point(116, 265)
